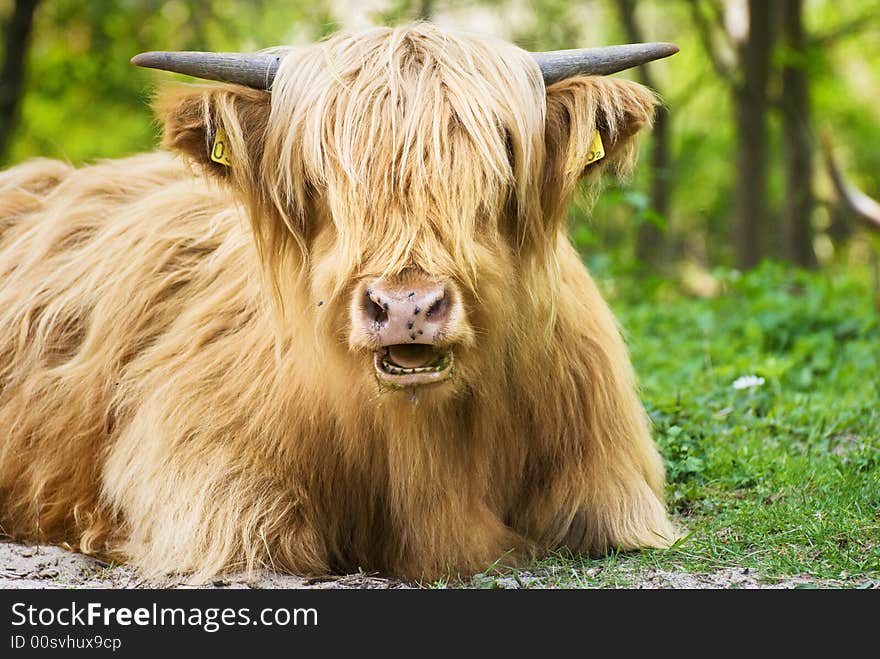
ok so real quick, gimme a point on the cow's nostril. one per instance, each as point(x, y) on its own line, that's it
point(377, 311)
point(437, 308)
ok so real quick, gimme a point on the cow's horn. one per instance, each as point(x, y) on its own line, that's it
point(258, 70)
point(557, 65)
point(252, 70)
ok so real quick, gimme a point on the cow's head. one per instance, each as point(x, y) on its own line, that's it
point(411, 182)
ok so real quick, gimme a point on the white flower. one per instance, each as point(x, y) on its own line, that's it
point(747, 382)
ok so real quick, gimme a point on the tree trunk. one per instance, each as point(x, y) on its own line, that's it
point(799, 198)
point(650, 240)
point(15, 43)
point(750, 115)
point(424, 10)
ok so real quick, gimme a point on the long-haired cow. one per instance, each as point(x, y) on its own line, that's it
point(359, 337)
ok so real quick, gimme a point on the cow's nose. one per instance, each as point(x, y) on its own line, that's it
point(405, 314)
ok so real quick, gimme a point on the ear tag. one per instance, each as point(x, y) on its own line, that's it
point(220, 148)
point(597, 149)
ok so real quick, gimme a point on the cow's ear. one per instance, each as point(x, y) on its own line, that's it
point(220, 129)
point(577, 109)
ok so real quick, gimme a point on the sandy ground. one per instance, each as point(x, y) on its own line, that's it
point(45, 566)
point(42, 566)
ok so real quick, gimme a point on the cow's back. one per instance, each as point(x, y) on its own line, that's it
point(96, 266)
point(23, 190)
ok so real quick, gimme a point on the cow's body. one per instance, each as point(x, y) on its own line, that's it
point(163, 401)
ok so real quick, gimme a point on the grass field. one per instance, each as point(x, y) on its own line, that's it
point(765, 401)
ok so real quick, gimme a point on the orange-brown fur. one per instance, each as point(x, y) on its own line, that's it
point(172, 393)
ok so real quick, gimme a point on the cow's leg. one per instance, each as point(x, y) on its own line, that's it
point(608, 495)
point(594, 479)
point(454, 538)
point(618, 500)
point(446, 480)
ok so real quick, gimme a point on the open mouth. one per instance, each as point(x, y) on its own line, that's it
point(412, 365)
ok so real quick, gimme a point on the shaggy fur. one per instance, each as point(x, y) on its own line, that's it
point(181, 383)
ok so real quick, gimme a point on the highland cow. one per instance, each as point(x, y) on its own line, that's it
point(360, 337)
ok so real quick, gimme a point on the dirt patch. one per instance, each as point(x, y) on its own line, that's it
point(732, 578)
point(629, 578)
point(44, 566)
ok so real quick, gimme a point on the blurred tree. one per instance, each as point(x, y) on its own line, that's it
point(85, 100)
point(857, 203)
point(797, 136)
point(398, 12)
point(651, 246)
point(749, 27)
point(16, 38)
point(425, 10)
point(754, 49)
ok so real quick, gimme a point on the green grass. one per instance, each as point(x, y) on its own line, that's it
point(775, 481)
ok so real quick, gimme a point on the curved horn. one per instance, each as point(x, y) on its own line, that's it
point(258, 70)
point(557, 65)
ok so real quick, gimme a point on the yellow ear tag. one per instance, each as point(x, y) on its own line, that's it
point(220, 149)
point(597, 149)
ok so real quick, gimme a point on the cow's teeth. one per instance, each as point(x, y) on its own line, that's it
point(394, 369)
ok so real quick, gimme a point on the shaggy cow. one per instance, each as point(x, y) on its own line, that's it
point(360, 337)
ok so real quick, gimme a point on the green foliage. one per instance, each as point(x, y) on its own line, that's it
point(86, 101)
